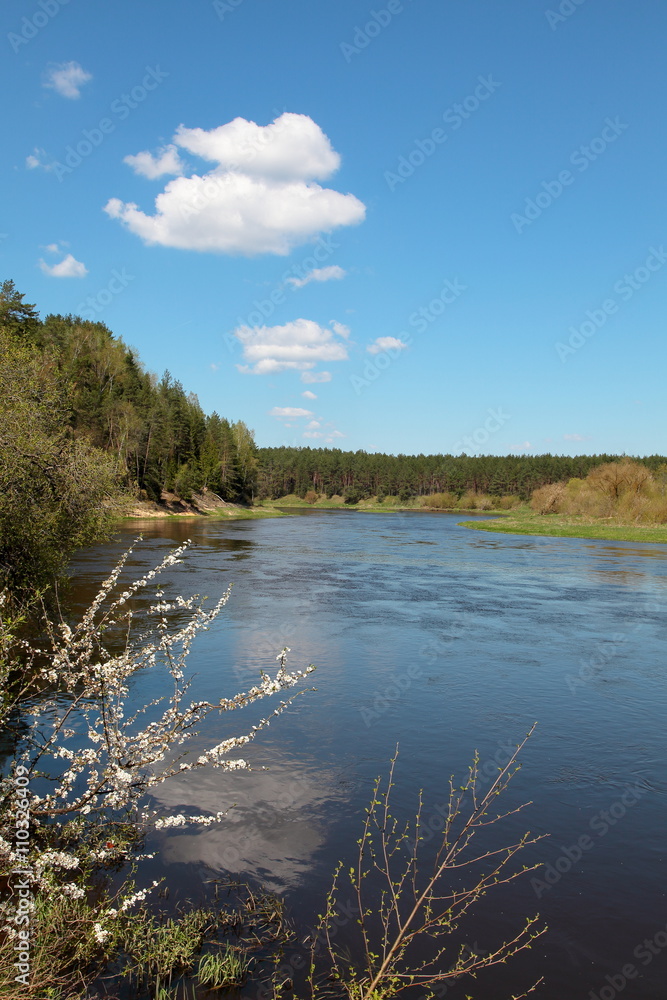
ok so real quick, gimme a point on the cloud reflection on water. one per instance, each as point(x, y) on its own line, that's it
point(275, 822)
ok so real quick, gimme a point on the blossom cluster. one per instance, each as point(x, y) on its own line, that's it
point(89, 759)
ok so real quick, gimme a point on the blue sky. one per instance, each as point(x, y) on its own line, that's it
point(447, 239)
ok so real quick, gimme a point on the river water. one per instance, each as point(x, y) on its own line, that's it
point(445, 641)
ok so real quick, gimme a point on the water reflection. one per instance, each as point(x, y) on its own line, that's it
point(443, 640)
point(273, 828)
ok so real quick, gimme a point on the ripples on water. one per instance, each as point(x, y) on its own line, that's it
point(485, 635)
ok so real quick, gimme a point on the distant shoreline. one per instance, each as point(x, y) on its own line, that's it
point(569, 526)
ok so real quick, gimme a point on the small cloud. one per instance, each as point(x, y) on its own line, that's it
point(298, 346)
point(213, 366)
point(36, 159)
point(526, 446)
point(313, 425)
point(68, 267)
point(576, 437)
point(313, 377)
point(340, 329)
point(385, 344)
point(332, 273)
point(289, 412)
point(66, 79)
point(308, 394)
point(327, 435)
point(167, 161)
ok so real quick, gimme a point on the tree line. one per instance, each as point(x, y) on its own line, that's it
point(361, 474)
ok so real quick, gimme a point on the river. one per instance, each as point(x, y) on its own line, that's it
point(442, 640)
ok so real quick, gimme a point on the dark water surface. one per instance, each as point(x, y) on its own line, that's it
point(443, 640)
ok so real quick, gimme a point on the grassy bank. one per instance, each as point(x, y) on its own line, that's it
point(526, 522)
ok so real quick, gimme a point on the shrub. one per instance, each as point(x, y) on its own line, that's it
point(440, 501)
point(405, 930)
point(548, 499)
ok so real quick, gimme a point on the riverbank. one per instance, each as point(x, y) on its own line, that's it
point(526, 522)
point(172, 507)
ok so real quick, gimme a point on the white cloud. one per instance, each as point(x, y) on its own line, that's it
point(67, 78)
point(308, 394)
point(298, 346)
point(526, 446)
point(576, 437)
point(282, 412)
point(332, 273)
point(36, 159)
point(291, 147)
point(68, 267)
point(340, 329)
point(385, 344)
point(312, 377)
point(167, 161)
point(313, 425)
point(327, 435)
point(260, 197)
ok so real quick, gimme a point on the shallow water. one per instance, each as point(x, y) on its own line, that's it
point(443, 640)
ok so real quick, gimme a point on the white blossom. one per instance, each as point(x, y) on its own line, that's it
point(119, 758)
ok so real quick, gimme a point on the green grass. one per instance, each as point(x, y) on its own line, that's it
point(526, 522)
point(230, 968)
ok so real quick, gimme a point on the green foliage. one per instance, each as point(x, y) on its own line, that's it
point(78, 416)
point(17, 318)
point(288, 470)
point(57, 491)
